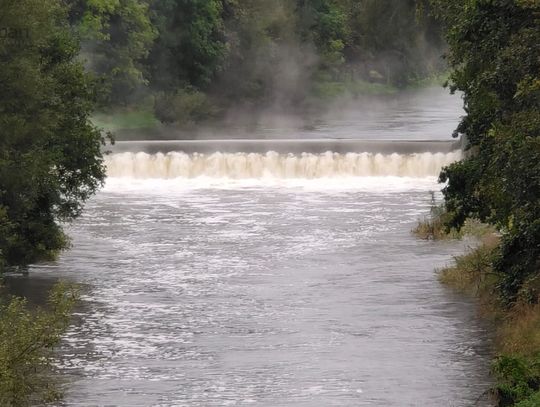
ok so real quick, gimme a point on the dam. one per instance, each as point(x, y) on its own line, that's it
point(253, 159)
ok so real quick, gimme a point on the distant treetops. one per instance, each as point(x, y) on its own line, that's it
point(204, 55)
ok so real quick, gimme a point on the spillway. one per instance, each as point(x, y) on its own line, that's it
point(279, 159)
point(293, 146)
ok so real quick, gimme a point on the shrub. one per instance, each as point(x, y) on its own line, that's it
point(183, 107)
point(532, 401)
point(473, 271)
point(518, 380)
point(520, 331)
point(435, 226)
point(27, 338)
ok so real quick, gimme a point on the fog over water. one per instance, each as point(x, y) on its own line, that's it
point(273, 278)
point(423, 114)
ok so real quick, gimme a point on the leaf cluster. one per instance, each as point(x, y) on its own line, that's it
point(50, 153)
point(494, 50)
point(27, 338)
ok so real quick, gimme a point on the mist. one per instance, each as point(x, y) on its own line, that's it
point(254, 64)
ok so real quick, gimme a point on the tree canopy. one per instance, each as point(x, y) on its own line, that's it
point(251, 52)
point(495, 56)
point(50, 153)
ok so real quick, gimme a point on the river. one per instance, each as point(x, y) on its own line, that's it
point(271, 279)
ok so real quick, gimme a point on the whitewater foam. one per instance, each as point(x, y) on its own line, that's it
point(272, 166)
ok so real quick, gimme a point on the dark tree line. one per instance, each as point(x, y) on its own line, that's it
point(495, 57)
point(198, 56)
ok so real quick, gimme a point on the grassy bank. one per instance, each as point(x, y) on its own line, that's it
point(126, 119)
point(185, 110)
point(325, 89)
point(516, 366)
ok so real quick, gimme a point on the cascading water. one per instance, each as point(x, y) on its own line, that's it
point(273, 165)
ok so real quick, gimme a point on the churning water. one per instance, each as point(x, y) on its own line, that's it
point(267, 279)
point(276, 166)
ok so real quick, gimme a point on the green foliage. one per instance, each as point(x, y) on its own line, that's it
point(265, 62)
point(117, 36)
point(495, 56)
point(518, 380)
point(190, 47)
point(324, 89)
point(531, 401)
point(126, 119)
point(473, 272)
point(50, 154)
point(325, 23)
point(434, 227)
point(27, 338)
point(255, 52)
point(183, 107)
point(399, 41)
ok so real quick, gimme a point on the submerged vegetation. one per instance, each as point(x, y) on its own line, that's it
point(433, 227)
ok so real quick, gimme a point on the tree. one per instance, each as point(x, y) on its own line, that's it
point(117, 36)
point(325, 24)
point(190, 47)
point(495, 56)
point(268, 63)
point(27, 338)
point(396, 38)
point(50, 154)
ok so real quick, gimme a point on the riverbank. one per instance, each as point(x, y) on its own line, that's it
point(141, 121)
point(516, 365)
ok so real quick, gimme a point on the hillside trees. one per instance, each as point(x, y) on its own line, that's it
point(265, 60)
point(190, 46)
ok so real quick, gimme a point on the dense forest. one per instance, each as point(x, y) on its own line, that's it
point(191, 60)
